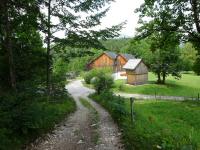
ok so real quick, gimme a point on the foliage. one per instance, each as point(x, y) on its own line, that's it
point(95, 72)
point(114, 104)
point(141, 49)
point(181, 15)
point(117, 45)
point(188, 56)
point(26, 115)
point(187, 86)
point(161, 30)
point(25, 109)
point(79, 31)
point(196, 66)
point(102, 82)
point(20, 41)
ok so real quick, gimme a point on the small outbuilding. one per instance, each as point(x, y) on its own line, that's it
point(136, 71)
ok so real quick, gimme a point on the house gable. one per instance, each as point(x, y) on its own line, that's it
point(103, 60)
point(121, 60)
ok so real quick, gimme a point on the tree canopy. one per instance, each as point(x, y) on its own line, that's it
point(180, 16)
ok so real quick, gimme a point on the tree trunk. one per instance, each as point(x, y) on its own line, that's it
point(164, 77)
point(49, 50)
point(8, 46)
point(195, 14)
point(159, 78)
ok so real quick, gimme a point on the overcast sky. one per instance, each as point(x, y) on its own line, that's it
point(120, 11)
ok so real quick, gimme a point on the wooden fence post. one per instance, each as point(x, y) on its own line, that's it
point(132, 109)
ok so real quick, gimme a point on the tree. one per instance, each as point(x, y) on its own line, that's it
point(190, 9)
point(163, 36)
point(197, 66)
point(188, 56)
point(117, 45)
point(15, 15)
point(141, 49)
point(185, 14)
point(77, 20)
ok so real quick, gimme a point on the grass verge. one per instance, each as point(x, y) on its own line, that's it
point(94, 120)
point(163, 125)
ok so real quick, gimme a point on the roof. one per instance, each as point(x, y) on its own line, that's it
point(127, 56)
point(132, 64)
point(112, 55)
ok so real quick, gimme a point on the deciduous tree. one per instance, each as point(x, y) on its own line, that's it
point(161, 29)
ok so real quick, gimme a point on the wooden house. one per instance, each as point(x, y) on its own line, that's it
point(110, 59)
point(136, 71)
point(106, 59)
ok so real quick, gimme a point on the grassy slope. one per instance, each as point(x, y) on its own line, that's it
point(166, 124)
point(188, 85)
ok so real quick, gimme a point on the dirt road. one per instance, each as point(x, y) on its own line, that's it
point(76, 132)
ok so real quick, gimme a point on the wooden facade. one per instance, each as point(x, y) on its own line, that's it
point(103, 61)
point(121, 61)
point(138, 74)
point(110, 59)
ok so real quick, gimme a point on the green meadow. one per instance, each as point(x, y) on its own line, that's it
point(188, 85)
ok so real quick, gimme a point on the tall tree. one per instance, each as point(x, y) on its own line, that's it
point(77, 19)
point(187, 14)
point(13, 15)
point(164, 37)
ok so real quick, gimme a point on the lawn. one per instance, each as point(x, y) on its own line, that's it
point(166, 125)
point(188, 85)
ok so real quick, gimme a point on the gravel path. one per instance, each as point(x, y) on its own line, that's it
point(75, 133)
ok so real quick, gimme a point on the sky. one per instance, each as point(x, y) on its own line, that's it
point(120, 11)
point(123, 10)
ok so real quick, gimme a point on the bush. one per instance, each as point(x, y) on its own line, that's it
point(95, 72)
point(26, 115)
point(102, 82)
point(88, 76)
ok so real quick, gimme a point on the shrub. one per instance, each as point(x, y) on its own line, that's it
point(26, 115)
point(88, 76)
point(102, 82)
point(95, 72)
